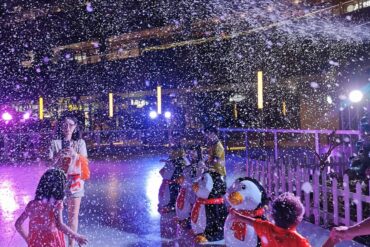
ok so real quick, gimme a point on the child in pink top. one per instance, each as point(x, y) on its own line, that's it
point(46, 225)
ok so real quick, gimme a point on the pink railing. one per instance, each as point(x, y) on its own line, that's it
point(327, 200)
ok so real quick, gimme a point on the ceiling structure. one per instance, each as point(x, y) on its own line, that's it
point(136, 45)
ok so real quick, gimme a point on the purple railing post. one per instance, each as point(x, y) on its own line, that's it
point(298, 174)
point(346, 197)
point(291, 172)
point(316, 196)
point(335, 201)
point(306, 179)
point(276, 154)
point(269, 177)
point(283, 177)
point(358, 201)
point(276, 179)
point(324, 198)
point(317, 143)
point(263, 173)
point(246, 151)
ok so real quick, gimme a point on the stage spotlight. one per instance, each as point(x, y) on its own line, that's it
point(355, 96)
point(167, 114)
point(153, 114)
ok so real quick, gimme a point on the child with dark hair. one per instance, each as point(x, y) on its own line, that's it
point(287, 214)
point(46, 225)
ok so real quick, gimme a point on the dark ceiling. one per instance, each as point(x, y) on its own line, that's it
point(65, 22)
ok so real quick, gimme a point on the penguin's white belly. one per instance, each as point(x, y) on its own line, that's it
point(200, 226)
point(164, 194)
point(186, 202)
point(250, 239)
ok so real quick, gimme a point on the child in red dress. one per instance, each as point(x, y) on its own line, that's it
point(46, 225)
point(287, 212)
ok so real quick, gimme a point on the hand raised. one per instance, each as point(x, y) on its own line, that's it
point(81, 240)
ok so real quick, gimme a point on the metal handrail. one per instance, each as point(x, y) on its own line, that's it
point(137, 137)
point(316, 133)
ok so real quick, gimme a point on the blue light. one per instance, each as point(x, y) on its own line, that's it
point(167, 114)
point(153, 114)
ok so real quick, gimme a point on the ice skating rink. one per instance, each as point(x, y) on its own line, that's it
point(120, 206)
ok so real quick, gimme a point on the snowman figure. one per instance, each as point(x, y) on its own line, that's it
point(249, 198)
point(209, 211)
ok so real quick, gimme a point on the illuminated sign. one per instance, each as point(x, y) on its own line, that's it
point(139, 103)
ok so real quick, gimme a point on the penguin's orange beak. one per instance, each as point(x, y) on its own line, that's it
point(235, 198)
point(195, 187)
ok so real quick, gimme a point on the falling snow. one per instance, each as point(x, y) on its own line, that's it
point(274, 77)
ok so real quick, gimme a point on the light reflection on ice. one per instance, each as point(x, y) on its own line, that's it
point(113, 188)
point(153, 182)
point(8, 204)
point(26, 199)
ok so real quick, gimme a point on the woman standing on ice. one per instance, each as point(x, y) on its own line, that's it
point(68, 152)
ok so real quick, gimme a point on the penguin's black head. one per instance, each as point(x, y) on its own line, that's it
point(247, 194)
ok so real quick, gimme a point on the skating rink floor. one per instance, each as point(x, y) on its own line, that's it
point(120, 205)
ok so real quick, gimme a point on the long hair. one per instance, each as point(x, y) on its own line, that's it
point(77, 134)
point(51, 185)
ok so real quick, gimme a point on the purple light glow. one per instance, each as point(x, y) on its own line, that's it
point(26, 116)
point(6, 116)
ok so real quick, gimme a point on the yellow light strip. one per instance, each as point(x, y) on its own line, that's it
point(159, 99)
point(260, 90)
point(284, 108)
point(235, 111)
point(235, 148)
point(41, 108)
point(110, 104)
